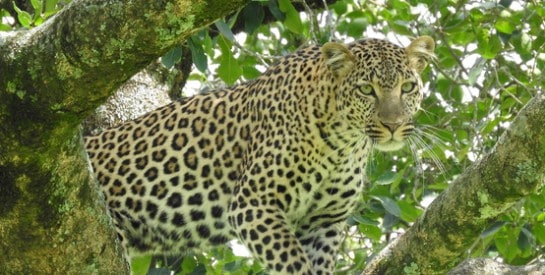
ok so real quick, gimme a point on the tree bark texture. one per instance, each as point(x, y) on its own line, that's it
point(52, 219)
point(484, 266)
point(514, 169)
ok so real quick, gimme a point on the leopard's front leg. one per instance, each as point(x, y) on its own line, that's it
point(262, 226)
point(320, 231)
point(321, 242)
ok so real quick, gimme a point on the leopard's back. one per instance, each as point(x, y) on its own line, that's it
point(168, 176)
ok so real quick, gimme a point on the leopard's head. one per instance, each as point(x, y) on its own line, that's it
point(378, 86)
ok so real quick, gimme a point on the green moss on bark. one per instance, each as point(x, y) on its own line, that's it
point(52, 218)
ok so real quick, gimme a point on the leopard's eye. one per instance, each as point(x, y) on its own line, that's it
point(407, 87)
point(367, 89)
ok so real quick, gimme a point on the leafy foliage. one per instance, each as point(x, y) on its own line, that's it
point(27, 14)
point(487, 68)
point(489, 64)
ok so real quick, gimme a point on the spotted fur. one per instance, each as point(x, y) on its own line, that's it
point(277, 162)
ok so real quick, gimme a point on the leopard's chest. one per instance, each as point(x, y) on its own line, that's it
point(332, 185)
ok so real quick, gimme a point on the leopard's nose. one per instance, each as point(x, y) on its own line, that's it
point(392, 126)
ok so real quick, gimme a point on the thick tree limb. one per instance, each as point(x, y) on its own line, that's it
point(78, 57)
point(513, 170)
point(52, 220)
point(490, 267)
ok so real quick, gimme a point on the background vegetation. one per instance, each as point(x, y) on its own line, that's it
point(490, 57)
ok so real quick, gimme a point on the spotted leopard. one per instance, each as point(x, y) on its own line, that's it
point(277, 162)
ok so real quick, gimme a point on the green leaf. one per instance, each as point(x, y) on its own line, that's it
point(188, 264)
point(225, 29)
point(489, 46)
point(540, 217)
point(339, 7)
point(37, 6)
point(495, 227)
point(409, 212)
point(293, 20)
point(253, 15)
point(371, 231)
point(526, 240)
point(364, 220)
point(490, 126)
point(539, 232)
point(229, 70)
point(356, 27)
point(171, 57)
point(141, 264)
point(355, 14)
point(232, 266)
point(197, 55)
point(4, 27)
point(523, 45)
point(208, 44)
point(475, 72)
point(506, 243)
point(24, 17)
point(50, 5)
point(447, 60)
point(389, 205)
point(389, 221)
point(476, 14)
point(461, 135)
point(38, 21)
point(386, 178)
point(506, 3)
point(275, 10)
point(401, 27)
point(504, 25)
point(462, 37)
point(250, 72)
point(402, 9)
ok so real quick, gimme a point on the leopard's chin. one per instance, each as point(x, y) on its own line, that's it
point(388, 146)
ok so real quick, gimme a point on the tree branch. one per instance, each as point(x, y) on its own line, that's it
point(52, 77)
point(514, 169)
point(92, 52)
point(489, 266)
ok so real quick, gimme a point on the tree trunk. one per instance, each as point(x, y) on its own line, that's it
point(52, 218)
point(482, 266)
point(514, 169)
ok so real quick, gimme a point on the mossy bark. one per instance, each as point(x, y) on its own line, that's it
point(515, 168)
point(52, 218)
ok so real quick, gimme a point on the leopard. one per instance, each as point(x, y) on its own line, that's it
point(277, 162)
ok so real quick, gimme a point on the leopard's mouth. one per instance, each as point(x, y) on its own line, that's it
point(390, 145)
point(387, 138)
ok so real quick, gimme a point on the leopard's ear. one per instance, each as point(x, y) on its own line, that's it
point(420, 51)
point(338, 59)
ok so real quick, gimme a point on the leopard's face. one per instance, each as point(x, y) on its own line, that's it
point(380, 90)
